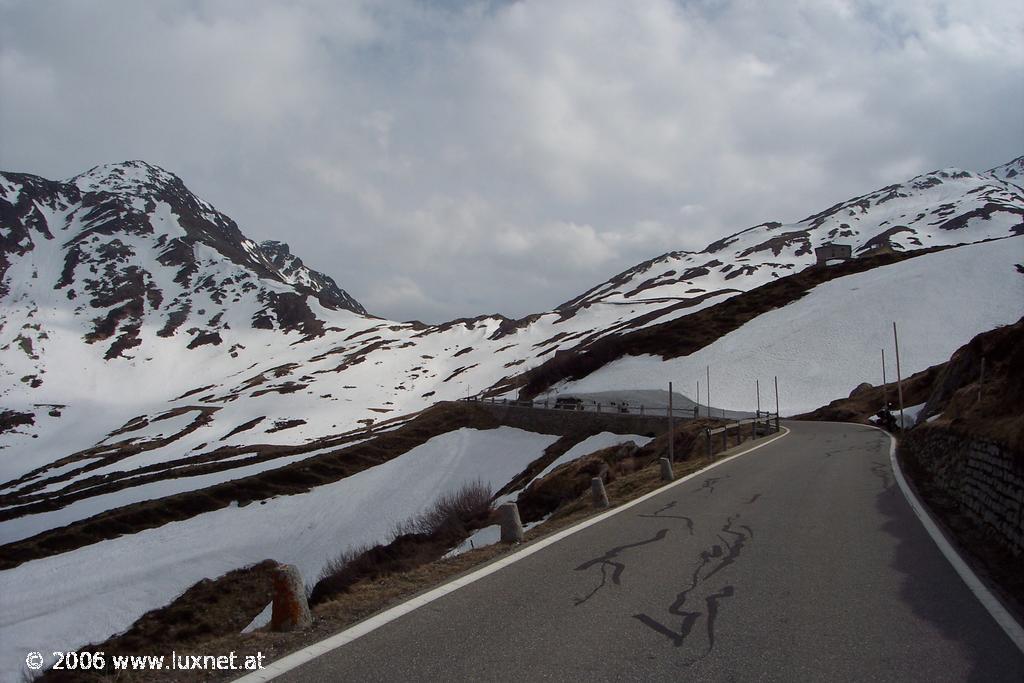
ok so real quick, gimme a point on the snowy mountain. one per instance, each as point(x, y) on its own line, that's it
point(941, 208)
point(122, 267)
point(121, 277)
point(127, 256)
point(150, 349)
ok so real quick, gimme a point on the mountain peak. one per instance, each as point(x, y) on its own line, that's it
point(125, 177)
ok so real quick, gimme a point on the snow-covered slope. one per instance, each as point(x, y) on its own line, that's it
point(826, 343)
point(1012, 171)
point(944, 207)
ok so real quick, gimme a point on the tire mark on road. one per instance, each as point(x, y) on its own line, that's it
point(605, 561)
point(710, 561)
point(709, 484)
point(712, 605)
point(668, 506)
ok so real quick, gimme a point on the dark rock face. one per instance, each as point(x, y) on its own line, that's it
point(121, 232)
point(293, 270)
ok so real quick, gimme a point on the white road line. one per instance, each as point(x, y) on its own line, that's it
point(984, 595)
point(311, 652)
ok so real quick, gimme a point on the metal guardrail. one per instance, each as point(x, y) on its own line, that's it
point(626, 408)
point(610, 408)
point(766, 423)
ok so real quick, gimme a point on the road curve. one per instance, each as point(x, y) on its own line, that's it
point(801, 561)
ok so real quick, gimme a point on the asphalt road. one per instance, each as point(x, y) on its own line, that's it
point(801, 561)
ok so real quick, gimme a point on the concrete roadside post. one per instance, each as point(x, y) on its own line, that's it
point(290, 611)
point(707, 435)
point(511, 525)
point(598, 493)
point(666, 469)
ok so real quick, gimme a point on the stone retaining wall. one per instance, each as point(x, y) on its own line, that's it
point(985, 478)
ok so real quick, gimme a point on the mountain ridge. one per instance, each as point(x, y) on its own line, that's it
point(200, 392)
point(226, 362)
point(126, 194)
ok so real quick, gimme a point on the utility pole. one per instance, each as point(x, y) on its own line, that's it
point(899, 375)
point(671, 430)
point(709, 389)
point(885, 389)
point(981, 381)
point(696, 412)
point(757, 388)
point(776, 402)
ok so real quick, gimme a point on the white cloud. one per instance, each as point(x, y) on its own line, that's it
point(530, 148)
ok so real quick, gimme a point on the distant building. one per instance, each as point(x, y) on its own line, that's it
point(827, 252)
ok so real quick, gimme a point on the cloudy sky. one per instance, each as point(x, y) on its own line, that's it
point(443, 159)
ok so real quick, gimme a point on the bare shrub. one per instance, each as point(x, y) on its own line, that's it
point(422, 539)
point(337, 564)
point(452, 511)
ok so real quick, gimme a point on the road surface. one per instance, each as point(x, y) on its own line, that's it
point(801, 561)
